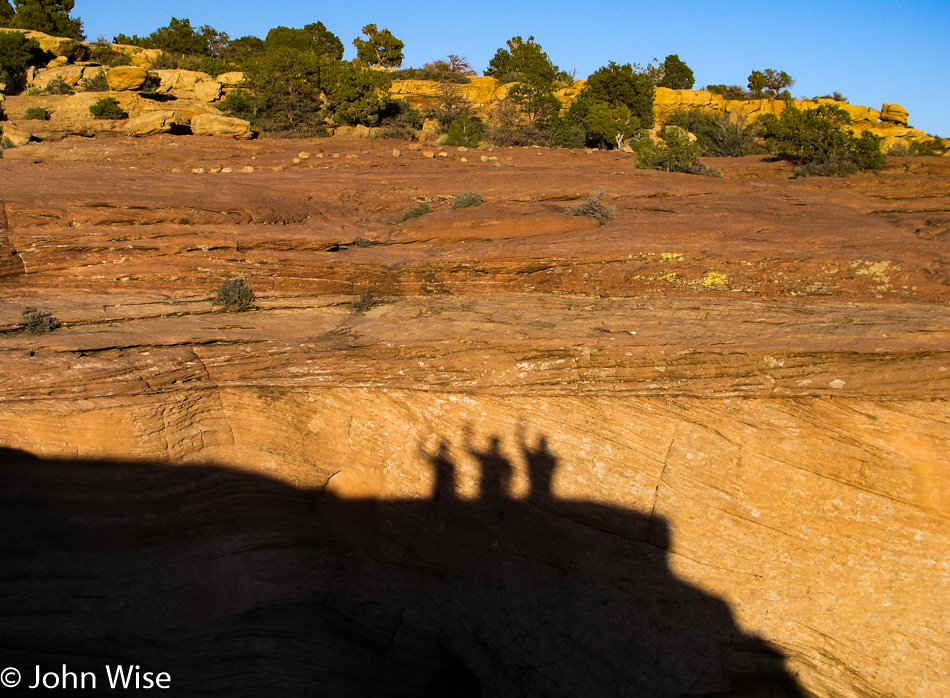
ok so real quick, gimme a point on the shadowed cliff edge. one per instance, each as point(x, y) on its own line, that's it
point(237, 584)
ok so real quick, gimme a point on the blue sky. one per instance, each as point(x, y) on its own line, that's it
point(871, 51)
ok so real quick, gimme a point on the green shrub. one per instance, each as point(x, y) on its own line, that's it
point(150, 87)
point(47, 16)
point(836, 96)
point(675, 74)
point(455, 69)
point(365, 301)
point(673, 152)
point(398, 119)
point(103, 53)
point(107, 108)
point(97, 83)
point(314, 38)
point(360, 241)
point(299, 92)
point(216, 66)
point(602, 123)
point(74, 51)
point(239, 103)
point(899, 150)
point(464, 131)
point(165, 61)
point(38, 322)
point(58, 86)
point(592, 207)
point(36, 114)
point(565, 134)
point(717, 134)
point(379, 48)
point(508, 127)
point(820, 141)
point(770, 83)
point(467, 200)
point(235, 295)
point(617, 85)
point(934, 146)
point(735, 92)
point(420, 210)
point(16, 53)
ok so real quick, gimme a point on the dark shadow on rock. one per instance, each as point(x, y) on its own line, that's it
point(240, 585)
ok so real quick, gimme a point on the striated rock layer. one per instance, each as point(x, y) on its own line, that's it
point(701, 450)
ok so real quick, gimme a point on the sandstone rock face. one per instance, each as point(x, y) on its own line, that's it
point(483, 92)
point(151, 123)
point(126, 77)
point(701, 450)
point(10, 262)
point(217, 125)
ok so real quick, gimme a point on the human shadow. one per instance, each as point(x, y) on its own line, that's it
point(237, 584)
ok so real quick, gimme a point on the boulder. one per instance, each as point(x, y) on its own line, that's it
point(57, 62)
point(126, 77)
point(233, 79)
point(15, 135)
point(217, 125)
point(894, 113)
point(178, 81)
point(358, 131)
point(151, 123)
point(207, 90)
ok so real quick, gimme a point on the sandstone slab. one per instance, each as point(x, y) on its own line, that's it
point(217, 125)
point(151, 123)
point(13, 133)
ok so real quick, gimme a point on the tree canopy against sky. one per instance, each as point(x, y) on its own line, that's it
point(873, 51)
point(47, 16)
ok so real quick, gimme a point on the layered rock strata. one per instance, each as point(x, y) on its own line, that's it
point(697, 450)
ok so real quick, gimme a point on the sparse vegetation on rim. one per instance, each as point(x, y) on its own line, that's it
point(36, 114)
point(108, 108)
point(39, 322)
point(235, 295)
point(364, 302)
point(592, 207)
point(97, 83)
point(467, 200)
point(420, 210)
